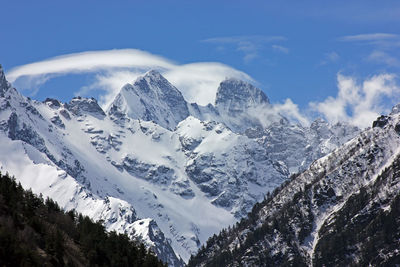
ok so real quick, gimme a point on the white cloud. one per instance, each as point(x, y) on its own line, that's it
point(330, 57)
point(369, 37)
point(90, 61)
point(291, 111)
point(358, 103)
point(383, 57)
point(199, 81)
point(271, 113)
point(114, 68)
point(383, 41)
point(250, 45)
point(280, 48)
point(110, 83)
point(385, 47)
point(243, 38)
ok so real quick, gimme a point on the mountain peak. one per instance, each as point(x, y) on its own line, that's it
point(395, 109)
point(151, 98)
point(3, 82)
point(235, 95)
point(153, 74)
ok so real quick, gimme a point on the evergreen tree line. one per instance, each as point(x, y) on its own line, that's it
point(363, 233)
point(37, 232)
point(282, 221)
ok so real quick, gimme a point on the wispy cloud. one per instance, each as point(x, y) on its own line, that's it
point(369, 37)
point(113, 68)
point(384, 47)
point(250, 45)
point(91, 61)
point(280, 48)
point(385, 41)
point(244, 38)
point(360, 12)
point(288, 109)
point(384, 58)
point(330, 57)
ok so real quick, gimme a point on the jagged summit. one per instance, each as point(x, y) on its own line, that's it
point(395, 109)
point(81, 105)
point(53, 103)
point(154, 74)
point(3, 82)
point(153, 77)
point(151, 98)
point(240, 104)
point(234, 96)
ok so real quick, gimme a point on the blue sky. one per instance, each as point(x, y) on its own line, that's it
point(305, 51)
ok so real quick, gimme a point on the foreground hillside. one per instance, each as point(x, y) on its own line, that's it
point(34, 232)
point(342, 211)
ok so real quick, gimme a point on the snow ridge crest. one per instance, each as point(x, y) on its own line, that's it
point(152, 98)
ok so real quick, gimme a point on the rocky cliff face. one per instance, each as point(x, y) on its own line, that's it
point(4, 85)
point(154, 166)
point(236, 96)
point(342, 210)
point(238, 104)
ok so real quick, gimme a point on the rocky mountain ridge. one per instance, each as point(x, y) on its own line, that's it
point(153, 166)
point(342, 210)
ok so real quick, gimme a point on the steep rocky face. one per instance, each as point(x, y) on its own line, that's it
point(298, 146)
point(238, 104)
point(148, 231)
point(151, 98)
point(80, 105)
point(343, 210)
point(232, 170)
point(3, 82)
point(372, 234)
point(236, 96)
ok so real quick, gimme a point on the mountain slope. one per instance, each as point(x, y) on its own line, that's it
point(34, 232)
point(171, 186)
point(343, 210)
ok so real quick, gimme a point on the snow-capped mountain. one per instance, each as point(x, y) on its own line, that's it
point(342, 211)
point(235, 97)
point(151, 98)
point(165, 171)
point(236, 102)
point(297, 146)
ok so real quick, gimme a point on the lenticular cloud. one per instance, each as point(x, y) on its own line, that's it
point(197, 81)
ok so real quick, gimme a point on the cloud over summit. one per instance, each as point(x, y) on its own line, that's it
point(357, 103)
point(114, 68)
